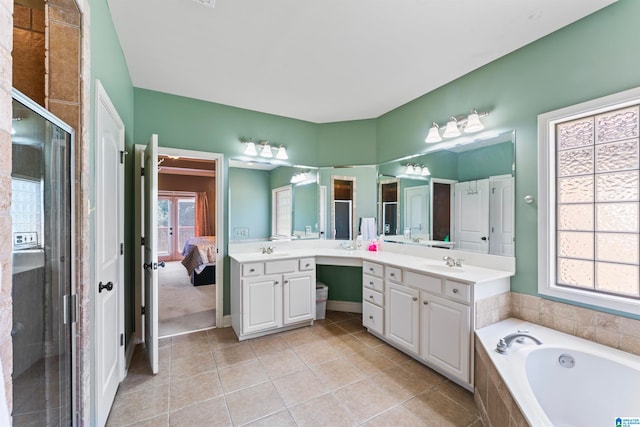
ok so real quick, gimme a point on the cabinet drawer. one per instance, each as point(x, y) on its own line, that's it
point(424, 282)
point(371, 268)
point(284, 266)
point(253, 269)
point(374, 297)
point(458, 291)
point(307, 264)
point(373, 317)
point(374, 283)
point(393, 274)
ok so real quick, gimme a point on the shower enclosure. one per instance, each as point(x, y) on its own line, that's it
point(44, 306)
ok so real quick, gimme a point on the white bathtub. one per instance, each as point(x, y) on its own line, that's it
point(604, 383)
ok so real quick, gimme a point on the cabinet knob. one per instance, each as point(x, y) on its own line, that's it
point(276, 282)
point(371, 317)
point(286, 281)
point(371, 296)
point(393, 274)
point(307, 265)
point(251, 270)
point(425, 302)
point(371, 283)
point(455, 290)
point(370, 268)
point(415, 298)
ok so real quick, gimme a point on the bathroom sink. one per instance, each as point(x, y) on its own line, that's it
point(445, 268)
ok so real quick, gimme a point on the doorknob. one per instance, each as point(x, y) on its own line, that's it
point(108, 286)
point(483, 238)
point(153, 265)
point(147, 266)
point(161, 264)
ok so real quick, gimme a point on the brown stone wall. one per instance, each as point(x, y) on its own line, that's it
point(29, 51)
point(6, 43)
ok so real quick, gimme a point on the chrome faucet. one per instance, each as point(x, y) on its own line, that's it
point(507, 341)
point(268, 250)
point(449, 260)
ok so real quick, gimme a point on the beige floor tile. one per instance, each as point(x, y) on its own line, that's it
point(423, 373)
point(346, 344)
point(397, 416)
point(135, 382)
point(365, 399)
point(322, 411)
point(191, 337)
point(253, 403)
point(459, 395)
point(369, 339)
point(221, 337)
point(195, 364)
point(269, 344)
point(328, 330)
point(210, 413)
point(437, 410)
point(280, 419)
point(159, 421)
point(194, 390)
point(233, 354)
point(396, 356)
point(141, 405)
point(242, 375)
point(401, 383)
point(338, 373)
point(189, 349)
point(351, 325)
point(283, 363)
point(337, 316)
point(317, 353)
point(300, 387)
point(370, 361)
point(299, 338)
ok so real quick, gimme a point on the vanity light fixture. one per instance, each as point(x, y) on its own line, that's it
point(434, 134)
point(451, 131)
point(468, 124)
point(266, 150)
point(282, 153)
point(409, 170)
point(425, 171)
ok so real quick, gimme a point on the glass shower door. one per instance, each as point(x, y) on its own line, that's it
point(42, 276)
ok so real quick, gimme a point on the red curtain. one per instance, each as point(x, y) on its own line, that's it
point(203, 228)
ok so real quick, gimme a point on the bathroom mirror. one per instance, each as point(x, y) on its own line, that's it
point(348, 196)
point(270, 201)
point(466, 198)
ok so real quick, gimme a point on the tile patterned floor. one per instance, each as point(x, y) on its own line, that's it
point(333, 373)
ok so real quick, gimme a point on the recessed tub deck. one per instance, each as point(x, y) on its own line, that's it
point(565, 381)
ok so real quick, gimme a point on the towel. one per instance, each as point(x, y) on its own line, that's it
point(368, 229)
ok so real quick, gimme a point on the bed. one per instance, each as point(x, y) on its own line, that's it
point(200, 259)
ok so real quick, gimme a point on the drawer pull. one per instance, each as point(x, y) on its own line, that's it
point(415, 298)
point(371, 296)
point(393, 274)
point(307, 265)
point(455, 290)
point(370, 268)
point(425, 302)
point(251, 270)
point(371, 317)
point(286, 281)
point(371, 283)
point(276, 282)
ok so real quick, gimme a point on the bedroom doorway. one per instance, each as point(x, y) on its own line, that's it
point(189, 216)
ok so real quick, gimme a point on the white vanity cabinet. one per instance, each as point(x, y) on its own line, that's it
point(373, 297)
point(271, 296)
point(403, 310)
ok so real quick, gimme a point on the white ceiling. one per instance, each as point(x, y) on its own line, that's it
point(325, 61)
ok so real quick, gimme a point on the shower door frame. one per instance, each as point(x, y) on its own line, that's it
point(70, 303)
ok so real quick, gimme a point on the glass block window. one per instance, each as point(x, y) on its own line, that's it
point(589, 202)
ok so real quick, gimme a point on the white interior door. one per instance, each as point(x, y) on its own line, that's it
point(109, 237)
point(151, 252)
point(415, 210)
point(472, 216)
point(501, 213)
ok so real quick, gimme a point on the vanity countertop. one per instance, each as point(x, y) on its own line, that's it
point(336, 256)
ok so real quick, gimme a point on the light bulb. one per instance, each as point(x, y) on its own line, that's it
point(266, 151)
point(282, 153)
point(251, 149)
point(451, 131)
point(473, 123)
point(434, 134)
point(409, 170)
point(425, 171)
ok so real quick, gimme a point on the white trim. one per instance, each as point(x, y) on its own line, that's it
point(226, 322)
point(348, 306)
point(547, 201)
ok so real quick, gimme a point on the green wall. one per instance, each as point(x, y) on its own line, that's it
point(345, 283)
point(249, 203)
point(109, 66)
point(484, 162)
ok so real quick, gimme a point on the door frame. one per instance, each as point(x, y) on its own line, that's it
point(102, 98)
point(452, 183)
point(138, 230)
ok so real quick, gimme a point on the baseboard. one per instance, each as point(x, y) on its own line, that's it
point(226, 321)
point(128, 354)
point(351, 307)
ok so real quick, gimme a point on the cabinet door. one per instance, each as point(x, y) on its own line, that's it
point(261, 303)
point(299, 298)
point(401, 316)
point(445, 335)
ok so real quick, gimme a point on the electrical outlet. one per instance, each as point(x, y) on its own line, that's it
point(240, 233)
point(25, 239)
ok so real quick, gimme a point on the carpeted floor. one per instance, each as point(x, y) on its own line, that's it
point(183, 307)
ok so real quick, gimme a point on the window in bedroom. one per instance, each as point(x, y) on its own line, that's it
point(589, 186)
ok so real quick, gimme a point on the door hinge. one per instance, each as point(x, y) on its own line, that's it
point(143, 310)
point(122, 153)
point(70, 309)
point(121, 340)
point(142, 241)
point(121, 248)
point(141, 171)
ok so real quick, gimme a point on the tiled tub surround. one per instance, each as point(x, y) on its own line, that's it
point(565, 380)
